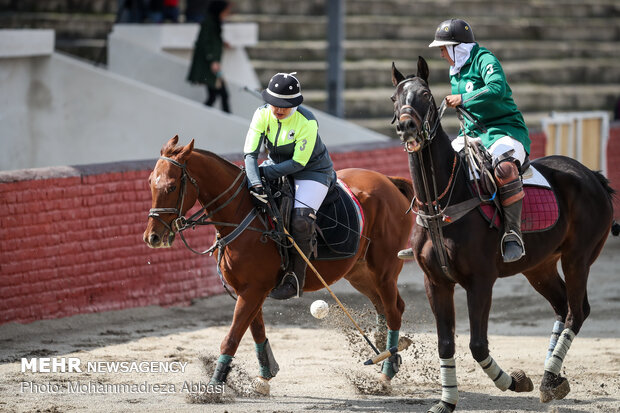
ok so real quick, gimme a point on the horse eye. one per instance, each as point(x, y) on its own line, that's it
point(171, 189)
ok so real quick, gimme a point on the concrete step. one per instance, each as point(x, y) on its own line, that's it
point(73, 26)
point(499, 9)
point(375, 102)
point(376, 73)
point(60, 6)
point(273, 27)
point(316, 50)
point(450, 123)
point(438, 9)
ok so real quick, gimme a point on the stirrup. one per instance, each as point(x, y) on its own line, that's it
point(288, 279)
point(514, 237)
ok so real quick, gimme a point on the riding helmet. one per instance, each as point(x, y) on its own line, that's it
point(453, 31)
point(283, 91)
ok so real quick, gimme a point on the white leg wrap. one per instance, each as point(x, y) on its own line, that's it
point(500, 378)
point(449, 390)
point(558, 326)
point(554, 363)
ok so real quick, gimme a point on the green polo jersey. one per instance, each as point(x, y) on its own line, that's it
point(294, 145)
point(486, 94)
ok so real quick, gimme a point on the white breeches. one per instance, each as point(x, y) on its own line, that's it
point(499, 147)
point(309, 194)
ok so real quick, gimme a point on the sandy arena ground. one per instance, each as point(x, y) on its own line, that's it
point(320, 361)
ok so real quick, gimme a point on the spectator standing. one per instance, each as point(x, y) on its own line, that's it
point(206, 61)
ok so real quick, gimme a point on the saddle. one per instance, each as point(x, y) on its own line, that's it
point(339, 224)
point(540, 207)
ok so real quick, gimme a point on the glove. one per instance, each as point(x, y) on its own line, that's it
point(259, 197)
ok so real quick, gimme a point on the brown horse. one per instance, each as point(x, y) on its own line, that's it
point(184, 175)
point(466, 251)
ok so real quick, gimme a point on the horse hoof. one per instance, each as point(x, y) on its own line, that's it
point(386, 384)
point(522, 382)
point(441, 407)
point(553, 388)
point(261, 386)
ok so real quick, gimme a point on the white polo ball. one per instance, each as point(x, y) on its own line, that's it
point(319, 309)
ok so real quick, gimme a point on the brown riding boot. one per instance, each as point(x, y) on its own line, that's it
point(302, 230)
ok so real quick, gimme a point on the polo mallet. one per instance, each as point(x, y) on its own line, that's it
point(402, 345)
point(332, 293)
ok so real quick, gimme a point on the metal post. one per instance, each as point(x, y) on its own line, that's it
point(335, 56)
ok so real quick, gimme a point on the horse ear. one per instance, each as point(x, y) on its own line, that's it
point(423, 71)
point(169, 145)
point(187, 149)
point(397, 77)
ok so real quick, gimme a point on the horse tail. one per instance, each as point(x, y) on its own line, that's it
point(404, 186)
point(605, 182)
point(615, 227)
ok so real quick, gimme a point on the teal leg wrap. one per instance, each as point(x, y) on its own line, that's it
point(390, 366)
point(267, 363)
point(222, 368)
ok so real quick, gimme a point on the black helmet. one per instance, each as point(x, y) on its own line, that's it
point(453, 31)
point(283, 91)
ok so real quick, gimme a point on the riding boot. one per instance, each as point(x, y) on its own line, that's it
point(302, 230)
point(511, 196)
point(512, 241)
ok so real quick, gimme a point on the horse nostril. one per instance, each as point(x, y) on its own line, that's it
point(154, 239)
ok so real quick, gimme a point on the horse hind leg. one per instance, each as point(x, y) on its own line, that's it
point(546, 280)
point(382, 290)
point(576, 270)
point(268, 366)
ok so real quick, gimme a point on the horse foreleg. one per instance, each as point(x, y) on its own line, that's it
point(441, 299)
point(268, 367)
point(247, 307)
point(267, 363)
point(479, 304)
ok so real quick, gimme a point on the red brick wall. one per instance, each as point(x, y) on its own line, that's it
point(71, 238)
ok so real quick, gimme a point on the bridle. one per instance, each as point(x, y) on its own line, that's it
point(424, 132)
point(181, 223)
point(433, 218)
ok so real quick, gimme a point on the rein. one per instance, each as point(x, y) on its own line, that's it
point(202, 216)
point(434, 217)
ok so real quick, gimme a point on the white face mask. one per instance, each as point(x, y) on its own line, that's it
point(459, 54)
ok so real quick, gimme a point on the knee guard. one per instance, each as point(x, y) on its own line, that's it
point(509, 182)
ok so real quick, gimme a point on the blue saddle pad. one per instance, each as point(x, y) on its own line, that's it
point(340, 223)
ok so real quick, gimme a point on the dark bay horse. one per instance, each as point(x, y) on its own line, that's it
point(470, 250)
point(184, 175)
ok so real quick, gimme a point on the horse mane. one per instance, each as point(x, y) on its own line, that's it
point(170, 150)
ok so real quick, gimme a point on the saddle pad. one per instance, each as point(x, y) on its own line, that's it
point(540, 210)
point(341, 223)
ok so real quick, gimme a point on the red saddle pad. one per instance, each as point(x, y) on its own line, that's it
point(540, 210)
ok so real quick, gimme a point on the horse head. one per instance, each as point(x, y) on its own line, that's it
point(171, 195)
point(415, 112)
